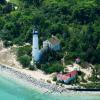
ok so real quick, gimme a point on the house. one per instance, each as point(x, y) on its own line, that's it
point(67, 78)
point(53, 43)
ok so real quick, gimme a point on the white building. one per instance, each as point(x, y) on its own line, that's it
point(53, 43)
point(35, 47)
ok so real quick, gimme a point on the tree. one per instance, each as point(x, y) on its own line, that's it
point(84, 14)
point(97, 2)
point(8, 8)
point(2, 1)
point(35, 2)
point(24, 50)
point(52, 67)
point(25, 60)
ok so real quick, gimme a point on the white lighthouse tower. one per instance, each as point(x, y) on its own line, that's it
point(35, 47)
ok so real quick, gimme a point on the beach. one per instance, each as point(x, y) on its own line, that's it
point(33, 83)
point(30, 80)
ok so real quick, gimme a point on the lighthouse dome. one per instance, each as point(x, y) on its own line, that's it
point(35, 32)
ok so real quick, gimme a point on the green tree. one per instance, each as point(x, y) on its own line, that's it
point(24, 60)
point(52, 67)
point(8, 8)
point(2, 1)
point(24, 50)
point(35, 2)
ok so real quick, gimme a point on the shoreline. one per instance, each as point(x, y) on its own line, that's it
point(40, 85)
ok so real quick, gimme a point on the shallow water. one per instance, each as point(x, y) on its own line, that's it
point(11, 90)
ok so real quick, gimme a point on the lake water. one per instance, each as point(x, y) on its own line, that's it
point(11, 90)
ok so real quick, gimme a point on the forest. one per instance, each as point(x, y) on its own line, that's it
point(75, 22)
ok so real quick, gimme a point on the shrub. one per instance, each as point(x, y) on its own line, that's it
point(8, 43)
point(48, 81)
point(91, 85)
point(24, 55)
point(55, 68)
point(31, 67)
point(52, 67)
point(55, 78)
point(24, 50)
point(24, 60)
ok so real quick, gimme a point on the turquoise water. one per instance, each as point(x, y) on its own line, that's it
point(11, 90)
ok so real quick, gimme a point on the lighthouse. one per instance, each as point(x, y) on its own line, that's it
point(35, 47)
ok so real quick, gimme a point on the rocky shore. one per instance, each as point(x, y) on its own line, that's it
point(37, 83)
point(44, 86)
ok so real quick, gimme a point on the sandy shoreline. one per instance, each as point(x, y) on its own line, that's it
point(33, 83)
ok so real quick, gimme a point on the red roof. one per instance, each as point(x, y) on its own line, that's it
point(66, 76)
point(71, 74)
